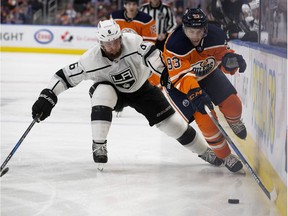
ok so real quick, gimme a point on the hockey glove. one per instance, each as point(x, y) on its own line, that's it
point(164, 79)
point(232, 61)
point(199, 98)
point(44, 104)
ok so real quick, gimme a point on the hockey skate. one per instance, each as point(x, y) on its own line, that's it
point(99, 152)
point(232, 163)
point(210, 157)
point(239, 129)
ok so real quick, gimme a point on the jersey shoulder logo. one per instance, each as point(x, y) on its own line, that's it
point(153, 29)
point(124, 79)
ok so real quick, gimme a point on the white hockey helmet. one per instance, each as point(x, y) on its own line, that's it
point(108, 30)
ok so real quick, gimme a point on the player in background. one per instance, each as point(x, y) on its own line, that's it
point(130, 19)
point(165, 24)
point(197, 54)
point(164, 18)
point(230, 14)
point(120, 65)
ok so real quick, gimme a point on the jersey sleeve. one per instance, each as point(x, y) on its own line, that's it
point(222, 50)
point(180, 73)
point(67, 77)
point(149, 32)
point(216, 40)
point(152, 57)
point(154, 79)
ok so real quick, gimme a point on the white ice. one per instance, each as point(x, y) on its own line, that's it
point(148, 174)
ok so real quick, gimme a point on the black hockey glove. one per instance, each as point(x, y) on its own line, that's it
point(44, 104)
point(199, 98)
point(165, 79)
point(231, 30)
point(231, 61)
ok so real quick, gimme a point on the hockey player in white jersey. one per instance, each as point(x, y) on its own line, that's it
point(120, 65)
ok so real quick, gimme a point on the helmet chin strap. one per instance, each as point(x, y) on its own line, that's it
point(200, 48)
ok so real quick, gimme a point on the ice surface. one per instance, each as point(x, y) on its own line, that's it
point(148, 174)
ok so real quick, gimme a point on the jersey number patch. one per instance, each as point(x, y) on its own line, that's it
point(173, 63)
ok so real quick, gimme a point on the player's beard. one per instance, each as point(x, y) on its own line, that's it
point(113, 56)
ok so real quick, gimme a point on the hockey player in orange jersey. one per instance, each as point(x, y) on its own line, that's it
point(130, 19)
point(197, 54)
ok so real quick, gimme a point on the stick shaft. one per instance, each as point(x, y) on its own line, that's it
point(242, 158)
point(18, 143)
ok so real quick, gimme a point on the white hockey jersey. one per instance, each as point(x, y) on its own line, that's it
point(127, 73)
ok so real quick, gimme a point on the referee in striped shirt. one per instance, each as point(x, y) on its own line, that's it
point(165, 20)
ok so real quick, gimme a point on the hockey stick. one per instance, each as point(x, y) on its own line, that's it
point(36, 119)
point(271, 195)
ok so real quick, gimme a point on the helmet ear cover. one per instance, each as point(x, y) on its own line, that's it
point(108, 30)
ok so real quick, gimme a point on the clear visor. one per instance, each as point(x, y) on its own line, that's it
point(112, 43)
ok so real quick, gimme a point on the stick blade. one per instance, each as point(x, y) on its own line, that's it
point(273, 195)
point(4, 171)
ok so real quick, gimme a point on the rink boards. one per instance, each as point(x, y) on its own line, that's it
point(263, 91)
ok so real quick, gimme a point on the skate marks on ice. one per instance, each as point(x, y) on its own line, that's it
point(140, 178)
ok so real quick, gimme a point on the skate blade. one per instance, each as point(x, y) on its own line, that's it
point(241, 172)
point(101, 167)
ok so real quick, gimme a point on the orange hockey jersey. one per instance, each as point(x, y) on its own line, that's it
point(143, 25)
point(186, 65)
